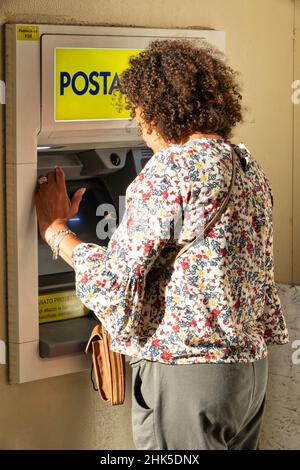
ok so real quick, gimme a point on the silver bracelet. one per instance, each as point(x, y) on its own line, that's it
point(55, 240)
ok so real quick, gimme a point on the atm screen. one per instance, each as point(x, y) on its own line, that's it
point(83, 224)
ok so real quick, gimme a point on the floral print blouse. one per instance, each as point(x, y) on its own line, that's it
point(218, 301)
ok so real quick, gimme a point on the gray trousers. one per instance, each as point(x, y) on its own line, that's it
point(198, 406)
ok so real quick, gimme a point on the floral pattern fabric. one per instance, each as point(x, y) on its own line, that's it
point(218, 301)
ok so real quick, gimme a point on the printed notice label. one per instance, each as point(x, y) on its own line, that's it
point(27, 33)
point(60, 306)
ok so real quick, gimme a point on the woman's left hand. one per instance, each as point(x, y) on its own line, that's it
point(53, 205)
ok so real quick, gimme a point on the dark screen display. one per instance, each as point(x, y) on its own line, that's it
point(83, 224)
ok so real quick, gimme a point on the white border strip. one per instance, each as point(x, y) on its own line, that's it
point(2, 92)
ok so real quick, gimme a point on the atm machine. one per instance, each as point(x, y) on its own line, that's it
point(62, 84)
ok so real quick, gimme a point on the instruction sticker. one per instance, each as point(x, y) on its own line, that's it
point(60, 306)
point(28, 33)
point(87, 83)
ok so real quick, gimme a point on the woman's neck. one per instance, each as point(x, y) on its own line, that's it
point(198, 135)
point(158, 144)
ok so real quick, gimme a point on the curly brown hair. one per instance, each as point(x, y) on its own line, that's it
point(182, 87)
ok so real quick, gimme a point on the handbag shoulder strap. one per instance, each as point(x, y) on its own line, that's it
point(219, 212)
point(213, 220)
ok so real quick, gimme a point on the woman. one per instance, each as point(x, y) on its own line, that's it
point(197, 330)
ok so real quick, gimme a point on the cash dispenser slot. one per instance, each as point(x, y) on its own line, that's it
point(105, 174)
point(65, 337)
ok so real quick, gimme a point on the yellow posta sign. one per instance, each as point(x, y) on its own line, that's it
point(87, 82)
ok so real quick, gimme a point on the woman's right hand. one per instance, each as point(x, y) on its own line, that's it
point(53, 205)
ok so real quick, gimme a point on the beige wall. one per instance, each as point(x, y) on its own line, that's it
point(63, 412)
point(296, 159)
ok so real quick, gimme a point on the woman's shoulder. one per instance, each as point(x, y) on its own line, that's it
point(195, 161)
point(183, 156)
point(167, 162)
point(201, 160)
point(250, 163)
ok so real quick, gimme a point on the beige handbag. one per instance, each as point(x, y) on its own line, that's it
point(108, 367)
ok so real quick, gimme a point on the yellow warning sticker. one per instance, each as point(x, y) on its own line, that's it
point(60, 306)
point(27, 33)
